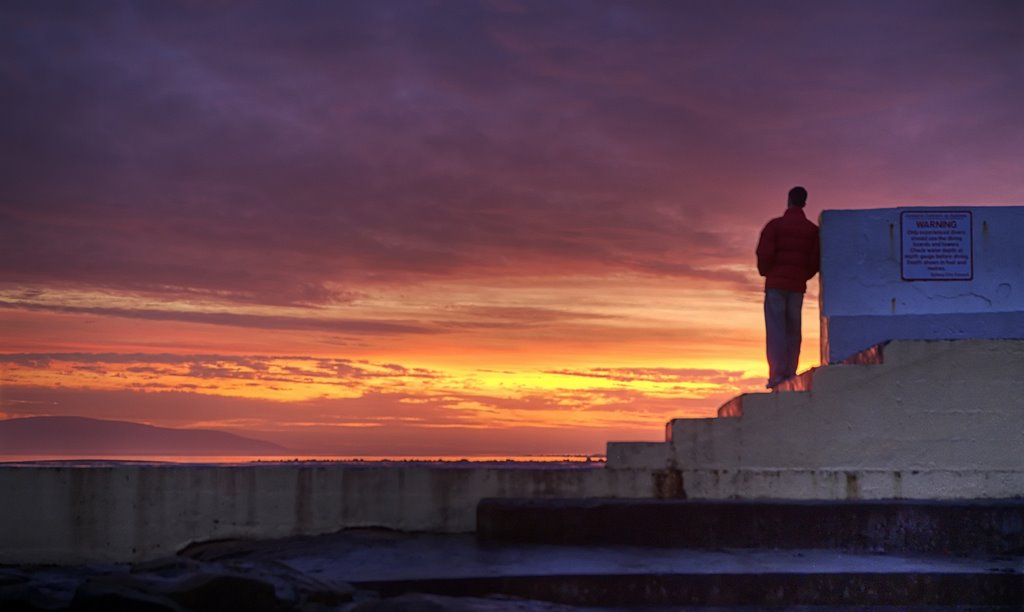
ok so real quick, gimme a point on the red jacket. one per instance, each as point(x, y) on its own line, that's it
point(788, 251)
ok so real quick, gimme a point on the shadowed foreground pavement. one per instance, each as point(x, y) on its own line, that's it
point(386, 570)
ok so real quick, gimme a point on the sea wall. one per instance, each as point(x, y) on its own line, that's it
point(115, 513)
point(920, 274)
point(935, 420)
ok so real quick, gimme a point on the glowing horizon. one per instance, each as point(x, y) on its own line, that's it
point(617, 367)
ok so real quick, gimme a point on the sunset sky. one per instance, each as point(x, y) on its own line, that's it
point(445, 227)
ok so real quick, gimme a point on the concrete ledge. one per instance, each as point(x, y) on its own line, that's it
point(964, 527)
point(67, 515)
point(973, 590)
point(851, 334)
point(850, 484)
point(705, 442)
point(813, 588)
point(638, 455)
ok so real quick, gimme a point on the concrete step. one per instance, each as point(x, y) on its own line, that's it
point(925, 407)
point(859, 369)
point(822, 380)
point(932, 555)
point(744, 404)
point(719, 442)
point(890, 526)
point(752, 589)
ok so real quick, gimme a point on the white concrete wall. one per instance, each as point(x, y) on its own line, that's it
point(66, 515)
point(864, 299)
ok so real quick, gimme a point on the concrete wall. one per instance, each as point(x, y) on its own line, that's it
point(932, 420)
point(866, 299)
point(54, 514)
point(925, 420)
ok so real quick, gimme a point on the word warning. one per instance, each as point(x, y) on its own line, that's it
point(936, 245)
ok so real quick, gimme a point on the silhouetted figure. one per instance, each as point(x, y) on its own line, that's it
point(787, 256)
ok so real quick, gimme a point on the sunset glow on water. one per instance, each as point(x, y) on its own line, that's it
point(474, 229)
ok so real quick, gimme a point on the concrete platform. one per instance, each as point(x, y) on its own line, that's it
point(365, 569)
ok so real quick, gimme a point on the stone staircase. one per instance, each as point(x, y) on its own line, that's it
point(903, 420)
point(894, 479)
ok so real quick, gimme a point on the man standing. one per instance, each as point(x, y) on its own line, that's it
point(787, 256)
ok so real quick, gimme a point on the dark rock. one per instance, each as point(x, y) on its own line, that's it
point(168, 566)
point(215, 550)
point(217, 592)
point(421, 602)
point(109, 596)
point(9, 577)
point(169, 585)
point(406, 603)
point(311, 590)
point(32, 589)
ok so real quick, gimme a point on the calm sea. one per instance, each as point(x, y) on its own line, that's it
point(246, 459)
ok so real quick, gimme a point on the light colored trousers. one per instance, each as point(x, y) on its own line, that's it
point(782, 333)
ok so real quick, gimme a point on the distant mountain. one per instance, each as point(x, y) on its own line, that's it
point(81, 437)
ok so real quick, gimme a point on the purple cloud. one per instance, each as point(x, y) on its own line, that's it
point(348, 326)
point(297, 155)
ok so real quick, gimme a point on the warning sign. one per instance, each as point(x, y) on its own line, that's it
point(936, 245)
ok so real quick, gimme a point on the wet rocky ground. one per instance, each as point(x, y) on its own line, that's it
point(182, 584)
point(381, 570)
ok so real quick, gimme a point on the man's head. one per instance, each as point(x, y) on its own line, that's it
point(797, 197)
